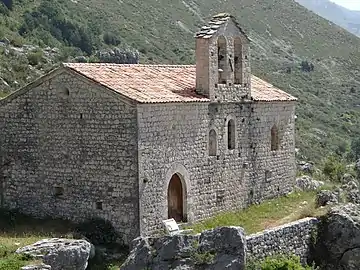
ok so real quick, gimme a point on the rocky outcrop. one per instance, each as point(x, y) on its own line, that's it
point(351, 191)
point(326, 197)
point(338, 239)
point(118, 56)
point(306, 183)
point(220, 248)
point(60, 254)
point(306, 167)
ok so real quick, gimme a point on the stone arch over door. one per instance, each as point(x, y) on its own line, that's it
point(176, 194)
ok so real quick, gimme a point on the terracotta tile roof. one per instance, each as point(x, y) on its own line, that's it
point(207, 31)
point(264, 91)
point(162, 83)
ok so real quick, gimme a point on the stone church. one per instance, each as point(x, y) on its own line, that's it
point(137, 144)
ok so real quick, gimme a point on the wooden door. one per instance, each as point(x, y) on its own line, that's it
point(175, 198)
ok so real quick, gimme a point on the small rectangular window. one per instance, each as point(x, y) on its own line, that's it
point(99, 205)
point(58, 191)
point(268, 175)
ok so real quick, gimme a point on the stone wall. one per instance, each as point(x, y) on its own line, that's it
point(292, 238)
point(174, 139)
point(230, 247)
point(273, 171)
point(69, 150)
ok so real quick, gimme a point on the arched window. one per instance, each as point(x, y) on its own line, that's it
point(222, 58)
point(212, 143)
point(231, 134)
point(274, 138)
point(238, 70)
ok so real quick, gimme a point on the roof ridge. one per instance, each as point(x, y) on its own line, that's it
point(128, 65)
point(213, 25)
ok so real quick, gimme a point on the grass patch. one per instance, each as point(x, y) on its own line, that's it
point(278, 262)
point(18, 230)
point(266, 215)
point(8, 259)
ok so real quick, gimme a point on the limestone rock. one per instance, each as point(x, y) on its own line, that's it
point(353, 196)
point(306, 183)
point(351, 192)
point(229, 240)
point(60, 254)
point(338, 244)
point(351, 185)
point(140, 256)
point(325, 197)
point(347, 177)
point(306, 167)
point(221, 248)
point(36, 267)
point(357, 166)
point(118, 56)
point(81, 59)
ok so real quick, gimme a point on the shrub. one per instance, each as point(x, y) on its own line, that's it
point(203, 258)
point(17, 41)
point(14, 262)
point(355, 148)
point(49, 17)
point(334, 169)
point(111, 39)
point(279, 262)
point(98, 231)
point(306, 66)
point(35, 58)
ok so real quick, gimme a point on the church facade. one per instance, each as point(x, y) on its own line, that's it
point(137, 144)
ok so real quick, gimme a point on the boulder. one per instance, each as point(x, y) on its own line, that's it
point(326, 197)
point(227, 244)
point(338, 238)
point(60, 254)
point(220, 248)
point(306, 167)
point(306, 183)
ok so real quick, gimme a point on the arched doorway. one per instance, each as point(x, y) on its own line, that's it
point(176, 199)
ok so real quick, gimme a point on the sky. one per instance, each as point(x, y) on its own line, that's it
point(350, 4)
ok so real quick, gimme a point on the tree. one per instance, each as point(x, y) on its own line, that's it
point(355, 148)
point(111, 39)
point(306, 66)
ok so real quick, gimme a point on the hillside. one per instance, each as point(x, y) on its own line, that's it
point(292, 48)
point(348, 19)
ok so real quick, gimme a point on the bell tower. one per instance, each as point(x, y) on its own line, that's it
point(223, 72)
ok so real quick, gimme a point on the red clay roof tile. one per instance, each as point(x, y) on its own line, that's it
point(162, 83)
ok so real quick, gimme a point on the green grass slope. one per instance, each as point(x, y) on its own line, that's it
point(284, 35)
